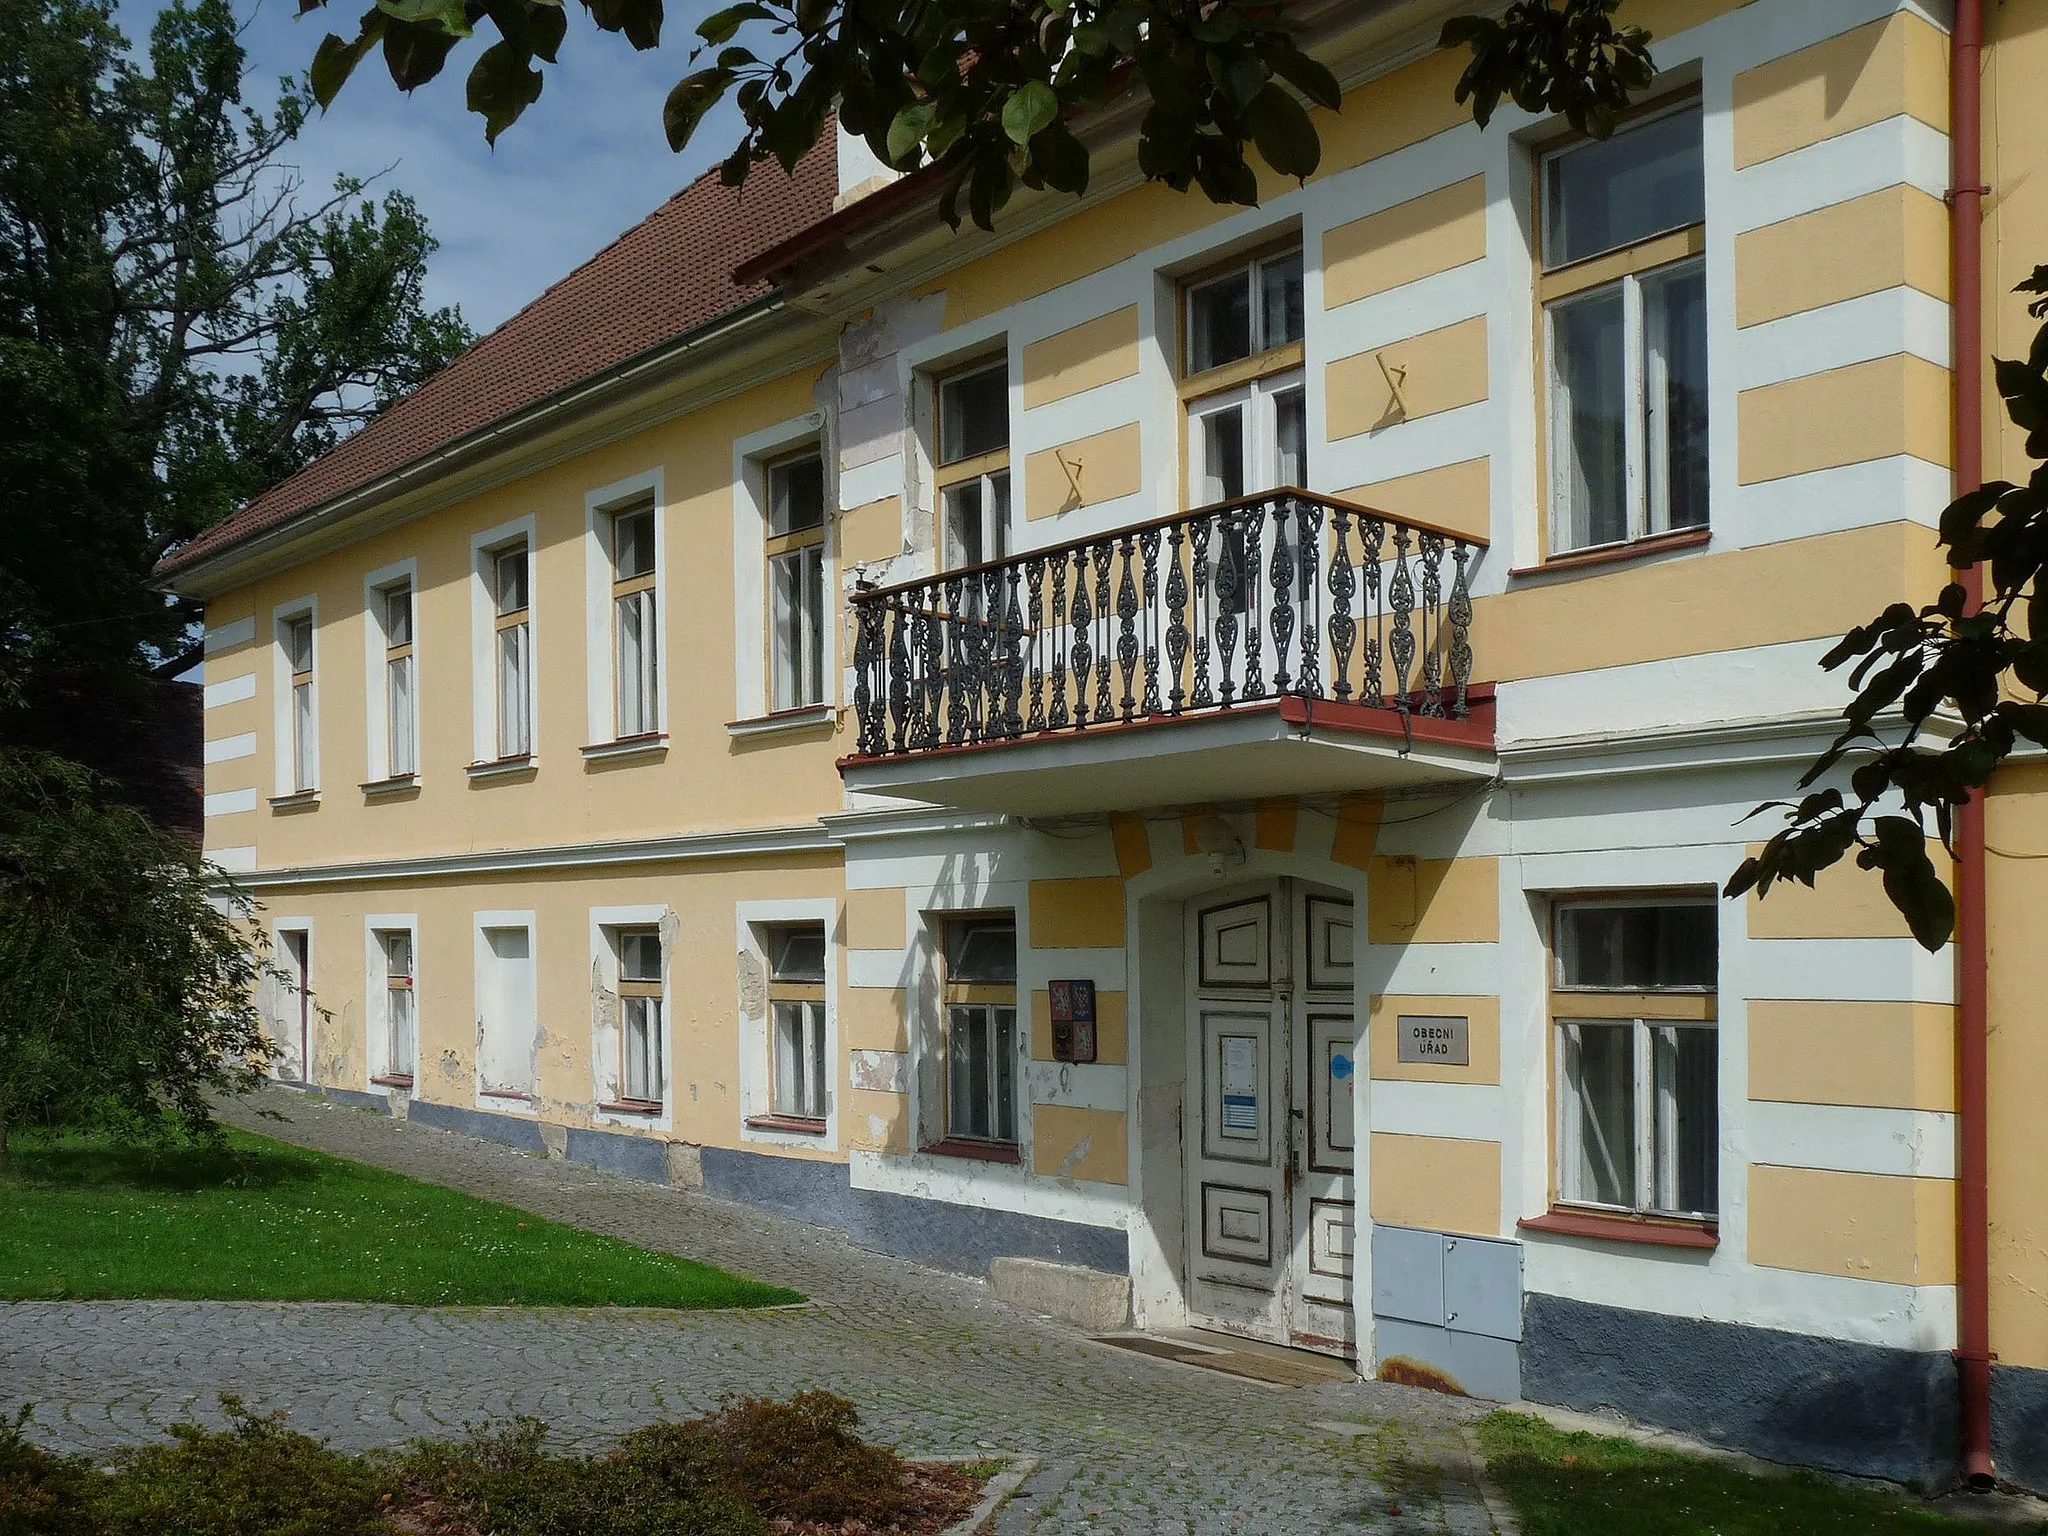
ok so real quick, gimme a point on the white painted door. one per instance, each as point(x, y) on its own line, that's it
point(507, 1016)
point(1271, 1042)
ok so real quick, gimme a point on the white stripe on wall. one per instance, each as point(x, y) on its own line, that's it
point(241, 632)
point(1838, 170)
point(1908, 1143)
point(226, 749)
point(235, 861)
point(231, 690)
point(230, 802)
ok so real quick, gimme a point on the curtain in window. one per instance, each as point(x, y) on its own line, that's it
point(1688, 1121)
point(638, 654)
point(1675, 396)
point(642, 1075)
point(302, 736)
point(403, 751)
point(1598, 1163)
point(515, 721)
point(1590, 410)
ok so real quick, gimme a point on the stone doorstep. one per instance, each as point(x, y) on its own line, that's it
point(994, 1494)
point(1087, 1299)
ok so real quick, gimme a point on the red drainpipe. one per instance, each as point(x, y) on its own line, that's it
point(1973, 1205)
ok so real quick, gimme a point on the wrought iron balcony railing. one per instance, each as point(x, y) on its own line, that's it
point(1285, 594)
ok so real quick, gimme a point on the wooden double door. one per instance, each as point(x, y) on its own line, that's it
point(1272, 1042)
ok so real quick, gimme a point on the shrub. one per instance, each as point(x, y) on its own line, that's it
point(254, 1478)
point(41, 1494)
point(798, 1460)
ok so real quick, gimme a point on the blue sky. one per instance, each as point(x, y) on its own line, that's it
point(586, 162)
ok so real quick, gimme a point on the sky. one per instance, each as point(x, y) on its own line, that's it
point(585, 163)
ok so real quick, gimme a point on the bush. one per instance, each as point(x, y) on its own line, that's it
point(41, 1494)
point(255, 1478)
point(799, 1460)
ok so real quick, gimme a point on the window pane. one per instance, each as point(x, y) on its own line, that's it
point(640, 954)
point(974, 414)
point(302, 736)
point(796, 495)
point(1003, 1087)
point(1290, 435)
point(398, 615)
point(983, 952)
point(1675, 396)
point(789, 1059)
point(633, 544)
point(637, 664)
point(1282, 316)
point(399, 730)
point(814, 1023)
point(512, 580)
point(298, 644)
point(514, 737)
point(1688, 1121)
point(642, 1049)
point(1637, 948)
point(811, 685)
point(1604, 194)
point(1589, 429)
point(797, 953)
point(1599, 1155)
point(967, 1072)
point(1220, 322)
point(1222, 441)
point(398, 955)
point(964, 545)
point(399, 1047)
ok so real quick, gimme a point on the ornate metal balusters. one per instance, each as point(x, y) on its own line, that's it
point(1127, 625)
point(931, 664)
point(1083, 622)
point(1460, 616)
point(900, 694)
point(957, 677)
point(1034, 581)
point(1204, 604)
point(1148, 545)
point(1230, 581)
point(1105, 553)
point(1013, 655)
point(1432, 625)
point(1176, 616)
point(1280, 573)
point(1401, 599)
point(1343, 584)
point(1308, 553)
point(863, 665)
point(1373, 534)
point(1254, 637)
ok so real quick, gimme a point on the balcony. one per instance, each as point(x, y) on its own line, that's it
point(1286, 644)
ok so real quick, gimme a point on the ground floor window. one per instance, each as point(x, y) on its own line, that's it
point(1638, 1056)
point(796, 980)
point(640, 1015)
point(981, 1030)
point(401, 1018)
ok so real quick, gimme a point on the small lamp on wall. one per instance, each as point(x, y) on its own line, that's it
point(1219, 840)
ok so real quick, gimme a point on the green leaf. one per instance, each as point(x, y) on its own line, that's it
point(720, 26)
point(640, 20)
point(502, 85)
point(1911, 882)
point(1308, 76)
point(336, 60)
point(693, 96)
point(1287, 140)
point(908, 129)
point(1031, 107)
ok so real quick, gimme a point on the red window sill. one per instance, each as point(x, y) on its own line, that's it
point(795, 1125)
point(1656, 544)
point(1656, 1231)
point(505, 1093)
point(977, 1151)
point(633, 1107)
point(392, 1080)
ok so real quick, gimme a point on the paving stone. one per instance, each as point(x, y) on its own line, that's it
point(937, 1365)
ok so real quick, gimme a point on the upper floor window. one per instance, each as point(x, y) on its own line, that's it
point(796, 580)
point(981, 1029)
point(641, 1009)
point(1623, 290)
point(1241, 372)
point(635, 622)
point(973, 465)
point(1638, 1052)
point(401, 682)
point(512, 593)
point(796, 999)
point(295, 635)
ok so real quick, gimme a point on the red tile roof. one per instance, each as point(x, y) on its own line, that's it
point(667, 276)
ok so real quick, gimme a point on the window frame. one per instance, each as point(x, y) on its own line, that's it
point(296, 739)
point(756, 923)
point(1648, 1013)
point(808, 997)
point(642, 690)
point(387, 661)
point(987, 1000)
point(652, 995)
point(989, 471)
point(1265, 356)
point(803, 550)
point(379, 930)
point(1256, 381)
point(1622, 269)
point(625, 709)
point(486, 621)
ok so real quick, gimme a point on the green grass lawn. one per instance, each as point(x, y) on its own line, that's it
point(85, 1219)
point(1564, 1484)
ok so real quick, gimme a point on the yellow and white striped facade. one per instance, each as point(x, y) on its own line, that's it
point(1644, 706)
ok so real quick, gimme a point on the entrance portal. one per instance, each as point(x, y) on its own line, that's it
point(1269, 1155)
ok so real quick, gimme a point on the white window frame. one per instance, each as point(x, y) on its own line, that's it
point(1250, 270)
point(284, 996)
point(1019, 1010)
point(757, 1045)
point(753, 684)
point(377, 674)
point(1260, 400)
point(608, 1033)
point(602, 682)
point(287, 769)
point(810, 616)
point(480, 924)
point(484, 548)
point(377, 993)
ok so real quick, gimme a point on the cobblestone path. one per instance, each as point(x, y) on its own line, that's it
point(938, 1366)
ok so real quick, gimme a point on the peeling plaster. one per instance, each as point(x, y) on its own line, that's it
point(1075, 1159)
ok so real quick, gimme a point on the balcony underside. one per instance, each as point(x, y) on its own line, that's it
point(1281, 747)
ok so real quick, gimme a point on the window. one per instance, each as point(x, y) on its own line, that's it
point(1625, 326)
point(512, 591)
point(1247, 428)
point(401, 691)
point(641, 1026)
point(401, 1017)
point(796, 580)
point(635, 617)
point(973, 460)
point(1638, 1056)
point(796, 1005)
point(296, 636)
point(981, 1030)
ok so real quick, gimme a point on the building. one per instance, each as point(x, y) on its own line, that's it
point(768, 718)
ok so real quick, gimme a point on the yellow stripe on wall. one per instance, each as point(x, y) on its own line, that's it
point(1087, 1144)
point(1412, 240)
point(1436, 1183)
point(1112, 1027)
point(1432, 901)
point(1885, 69)
point(1890, 405)
point(1084, 913)
point(1082, 357)
point(874, 1019)
point(1876, 1055)
point(1458, 497)
point(1437, 371)
point(1483, 1032)
point(1080, 474)
point(1844, 902)
point(1862, 1226)
point(1896, 238)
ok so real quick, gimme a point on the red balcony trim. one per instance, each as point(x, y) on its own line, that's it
point(1475, 731)
point(1660, 1232)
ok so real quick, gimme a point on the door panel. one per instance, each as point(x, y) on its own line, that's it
point(1237, 945)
